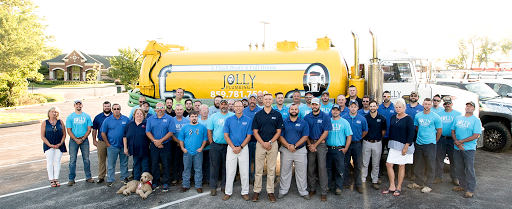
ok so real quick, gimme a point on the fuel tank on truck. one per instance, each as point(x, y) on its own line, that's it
point(237, 74)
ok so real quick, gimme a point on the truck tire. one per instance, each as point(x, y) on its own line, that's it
point(496, 137)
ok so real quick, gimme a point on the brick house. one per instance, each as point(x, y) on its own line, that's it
point(75, 66)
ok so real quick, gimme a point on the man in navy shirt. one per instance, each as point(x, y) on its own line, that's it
point(319, 127)
point(249, 112)
point(359, 127)
point(293, 151)
point(112, 131)
point(266, 127)
point(352, 95)
point(237, 132)
point(100, 144)
point(159, 129)
point(372, 144)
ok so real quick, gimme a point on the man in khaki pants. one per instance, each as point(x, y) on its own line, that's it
point(100, 144)
point(267, 125)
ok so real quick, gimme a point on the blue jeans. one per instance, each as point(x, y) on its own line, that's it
point(444, 146)
point(465, 168)
point(206, 165)
point(112, 153)
point(218, 164)
point(252, 157)
point(424, 162)
point(164, 154)
point(140, 165)
point(336, 157)
point(355, 150)
point(197, 161)
point(73, 151)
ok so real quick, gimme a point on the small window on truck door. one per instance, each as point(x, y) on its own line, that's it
point(397, 72)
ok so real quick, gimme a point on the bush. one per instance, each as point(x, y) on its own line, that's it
point(30, 99)
point(48, 82)
point(128, 87)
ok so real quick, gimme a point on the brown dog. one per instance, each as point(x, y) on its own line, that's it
point(142, 187)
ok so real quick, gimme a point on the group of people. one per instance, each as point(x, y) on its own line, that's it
point(318, 140)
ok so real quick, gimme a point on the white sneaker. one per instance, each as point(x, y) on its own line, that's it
point(414, 186)
point(426, 189)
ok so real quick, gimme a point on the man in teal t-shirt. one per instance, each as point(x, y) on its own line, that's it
point(193, 137)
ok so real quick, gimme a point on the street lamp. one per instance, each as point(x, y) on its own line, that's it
point(264, 23)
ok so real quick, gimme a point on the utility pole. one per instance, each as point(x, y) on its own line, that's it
point(264, 23)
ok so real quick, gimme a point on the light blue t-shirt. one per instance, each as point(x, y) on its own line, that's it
point(204, 123)
point(465, 127)
point(193, 137)
point(326, 108)
point(78, 123)
point(427, 125)
point(447, 119)
point(179, 124)
point(216, 124)
point(438, 109)
point(284, 111)
point(340, 130)
point(151, 111)
point(304, 110)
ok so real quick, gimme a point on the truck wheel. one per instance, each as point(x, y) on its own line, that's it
point(496, 137)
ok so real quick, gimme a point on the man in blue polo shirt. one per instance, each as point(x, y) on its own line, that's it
point(340, 101)
point(387, 109)
point(159, 129)
point(359, 128)
point(279, 106)
point(293, 151)
point(192, 137)
point(413, 107)
point(218, 146)
point(445, 143)
point(237, 132)
point(466, 129)
point(429, 128)
point(319, 126)
point(326, 105)
point(100, 144)
point(78, 127)
point(112, 130)
point(306, 109)
point(177, 153)
point(366, 106)
point(249, 111)
point(337, 143)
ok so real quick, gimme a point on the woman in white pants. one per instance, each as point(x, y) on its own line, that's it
point(53, 133)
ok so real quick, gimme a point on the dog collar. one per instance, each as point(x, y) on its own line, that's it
point(147, 182)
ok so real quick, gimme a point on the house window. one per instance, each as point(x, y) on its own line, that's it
point(76, 73)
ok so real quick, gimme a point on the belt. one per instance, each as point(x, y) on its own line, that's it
point(312, 141)
point(373, 141)
point(355, 142)
point(447, 137)
point(335, 147)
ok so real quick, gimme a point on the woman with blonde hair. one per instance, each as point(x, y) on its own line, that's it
point(53, 134)
point(401, 147)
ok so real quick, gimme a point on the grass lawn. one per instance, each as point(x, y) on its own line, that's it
point(68, 86)
point(52, 97)
point(19, 117)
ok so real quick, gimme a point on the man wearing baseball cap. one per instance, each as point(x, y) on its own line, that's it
point(413, 107)
point(319, 126)
point(445, 143)
point(249, 112)
point(326, 106)
point(466, 129)
point(78, 125)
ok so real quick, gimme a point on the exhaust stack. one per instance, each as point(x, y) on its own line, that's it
point(376, 75)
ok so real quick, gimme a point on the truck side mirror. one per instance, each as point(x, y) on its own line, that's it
point(509, 95)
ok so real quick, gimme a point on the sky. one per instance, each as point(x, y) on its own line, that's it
point(424, 28)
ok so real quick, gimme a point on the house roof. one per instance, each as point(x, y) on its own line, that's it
point(90, 58)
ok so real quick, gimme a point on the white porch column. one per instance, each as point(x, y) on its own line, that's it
point(66, 75)
point(99, 76)
point(84, 76)
point(50, 74)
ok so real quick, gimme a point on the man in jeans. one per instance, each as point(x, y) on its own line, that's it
point(337, 143)
point(100, 144)
point(159, 129)
point(78, 126)
point(112, 131)
point(466, 129)
point(429, 128)
point(193, 137)
point(445, 143)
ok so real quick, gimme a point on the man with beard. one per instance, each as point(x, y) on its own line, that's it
point(260, 99)
point(326, 106)
point(245, 102)
point(306, 109)
point(169, 110)
point(177, 154)
point(352, 93)
point(141, 100)
point(366, 106)
point(359, 128)
point(189, 106)
point(216, 106)
point(413, 107)
point(387, 109)
point(266, 127)
point(249, 112)
point(319, 126)
point(179, 98)
point(197, 104)
point(193, 139)
point(78, 127)
point(296, 99)
point(218, 146)
point(293, 151)
point(231, 106)
point(280, 107)
point(372, 144)
point(160, 130)
point(445, 143)
point(100, 144)
point(145, 107)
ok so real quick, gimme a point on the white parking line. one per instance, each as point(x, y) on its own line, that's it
point(39, 188)
point(40, 143)
point(19, 133)
point(182, 200)
point(35, 161)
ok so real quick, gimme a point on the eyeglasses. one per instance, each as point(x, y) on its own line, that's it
point(116, 108)
point(158, 108)
point(308, 97)
point(447, 103)
point(435, 100)
point(141, 102)
point(387, 96)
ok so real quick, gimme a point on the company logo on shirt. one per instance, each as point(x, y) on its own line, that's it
point(358, 122)
point(336, 127)
point(378, 120)
point(463, 124)
point(319, 121)
point(273, 118)
point(179, 126)
point(123, 122)
point(447, 119)
point(392, 111)
point(424, 122)
point(80, 120)
point(244, 123)
point(165, 120)
point(298, 124)
point(220, 121)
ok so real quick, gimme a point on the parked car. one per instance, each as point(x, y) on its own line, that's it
point(501, 86)
point(495, 113)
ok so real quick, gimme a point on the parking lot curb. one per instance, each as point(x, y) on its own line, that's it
point(8, 125)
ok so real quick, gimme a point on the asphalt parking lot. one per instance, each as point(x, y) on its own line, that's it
point(25, 183)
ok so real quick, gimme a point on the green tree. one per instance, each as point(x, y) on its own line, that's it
point(463, 54)
point(487, 49)
point(472, 41)
point(22, 47)
point(506, 46)
point(126, 66)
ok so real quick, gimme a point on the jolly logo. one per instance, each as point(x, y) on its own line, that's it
point(80, 120)
point(447, 119)
point(239, 81)
point(220, 122)
point(424, 122)
point(336, 127)
point(463, 124)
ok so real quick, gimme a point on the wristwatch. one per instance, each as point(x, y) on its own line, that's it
point(270, 142)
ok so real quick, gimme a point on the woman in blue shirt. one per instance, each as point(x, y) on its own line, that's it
point(401, 148)
point(136, 143)
point(53, 133)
